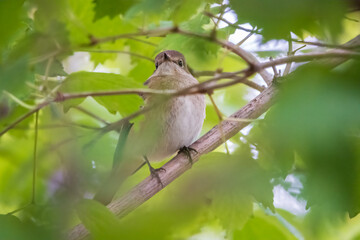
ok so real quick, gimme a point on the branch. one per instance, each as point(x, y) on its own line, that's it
point(308, 57)
point(117, 51)
point(337, 55)
point(23, 117)
point(179, 164)
point(155, 32)
point(246, 56)
point(250, 59)
point(231, 24)
point(327, 45)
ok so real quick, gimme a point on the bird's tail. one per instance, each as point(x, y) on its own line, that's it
point(117, 176)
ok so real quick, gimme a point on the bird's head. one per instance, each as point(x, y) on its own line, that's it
point(170, 62)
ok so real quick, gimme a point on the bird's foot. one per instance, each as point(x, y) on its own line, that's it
point(187, 151)
point(155, 172)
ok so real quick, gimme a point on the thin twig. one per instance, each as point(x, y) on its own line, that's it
point(327, 45)
point(204, 86)
point(19, 209)
point(246, 38)
point(155, 32)
point(276, 73)
point(23, 117)
point(35, 157)
point(143, 41)
point(118, 52)
point(290, 53)
point(220, 117)
point(309, 57)
point(83, 110)
point(231, 24)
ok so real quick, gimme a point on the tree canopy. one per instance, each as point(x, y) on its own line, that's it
point(280, 152)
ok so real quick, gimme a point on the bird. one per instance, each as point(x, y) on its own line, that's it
point(171, 125)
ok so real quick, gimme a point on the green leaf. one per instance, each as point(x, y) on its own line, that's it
point(98, 219)
point(232, 209)
point(13, 76)
point(94, 82)
point(10, 20)
point(111, 8)
point(11, 227)
point(280, 17)
point(47, 13)
point(199, 52)
point(263, 226)
point(79, 21)
point(272, 156)
point(318, 116)
point(56, 68)
point(184, 9)
point(10, 112)
point(241, 175)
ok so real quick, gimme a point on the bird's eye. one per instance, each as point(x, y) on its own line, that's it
point(181, 64)
point(156, 65)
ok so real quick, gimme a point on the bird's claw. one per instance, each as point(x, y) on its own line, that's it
point(155, 174)
point(187, 151)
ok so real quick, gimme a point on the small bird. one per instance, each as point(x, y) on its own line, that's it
point(171, 125)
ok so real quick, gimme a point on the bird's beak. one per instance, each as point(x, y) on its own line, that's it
point(166, 57)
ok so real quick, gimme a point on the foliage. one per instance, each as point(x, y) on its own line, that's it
point(311, 134)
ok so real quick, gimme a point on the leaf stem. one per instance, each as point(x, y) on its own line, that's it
point(220, 116)
point(35, 156)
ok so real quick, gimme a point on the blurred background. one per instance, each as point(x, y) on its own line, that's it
point(293, 174)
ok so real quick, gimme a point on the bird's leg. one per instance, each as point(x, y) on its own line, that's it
point(154, 171)
point(187, 152)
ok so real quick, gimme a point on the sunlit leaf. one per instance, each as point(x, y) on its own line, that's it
point(87, 81)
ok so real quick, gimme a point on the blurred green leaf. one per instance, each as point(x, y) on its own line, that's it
point(279, 18)
point(110, 8)
point(273, 156)
point(239, 175)
point(233, 209)
point(79, 20)
point(318, 116)
point(198, 51)
point(92, 81)
point(14, 76)
point(12, 228)
point(10, 20)
point(263, 226)
point(9, 112)
point(98, 219)
point(184, 9)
